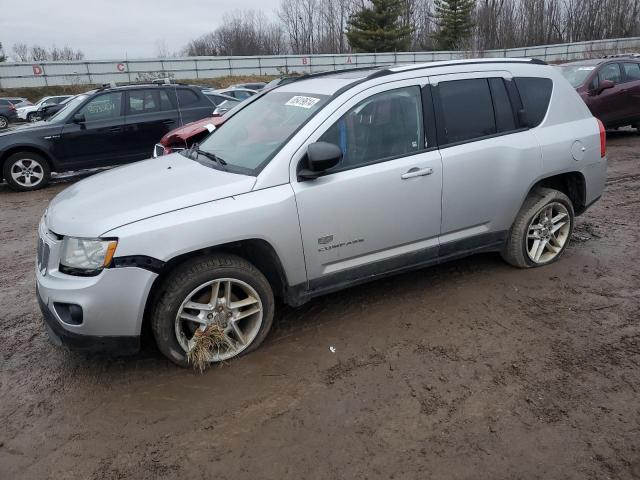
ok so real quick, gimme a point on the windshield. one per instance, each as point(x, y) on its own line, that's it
point(251, 137)
point(576, 74)
point(69, 107)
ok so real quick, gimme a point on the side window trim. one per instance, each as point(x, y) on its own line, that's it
point(420, 84)
point(516, 104)
point(123, 105)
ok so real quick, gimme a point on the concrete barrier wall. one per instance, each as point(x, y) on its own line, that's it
point(13, 75)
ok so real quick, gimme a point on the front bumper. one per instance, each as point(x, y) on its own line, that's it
point(122, 345)
point(112, 302)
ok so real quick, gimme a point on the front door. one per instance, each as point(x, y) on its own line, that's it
point(379, 209)
point(95, 141)
point(610, 105)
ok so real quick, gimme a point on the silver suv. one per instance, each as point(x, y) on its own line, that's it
point(325, 182)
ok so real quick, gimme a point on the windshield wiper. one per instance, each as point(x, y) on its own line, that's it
point(195, 148)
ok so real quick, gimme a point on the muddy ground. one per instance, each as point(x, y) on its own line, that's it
point(471, 370)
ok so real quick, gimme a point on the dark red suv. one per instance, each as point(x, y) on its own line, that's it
point(610, 87)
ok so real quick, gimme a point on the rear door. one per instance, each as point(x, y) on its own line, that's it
point(96, 141)
point(631, 71)
point(487, 158)
point(149, 115)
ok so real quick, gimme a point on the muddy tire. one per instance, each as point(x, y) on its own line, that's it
point(26, 171)
point(541, 230)
point(220, 290)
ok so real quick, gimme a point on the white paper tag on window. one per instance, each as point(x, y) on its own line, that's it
point(210, 127)
point(303, 102)
point(587, 68)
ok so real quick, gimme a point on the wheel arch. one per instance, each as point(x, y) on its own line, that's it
point(25, 148)
point(257, 251)
point(572, 184)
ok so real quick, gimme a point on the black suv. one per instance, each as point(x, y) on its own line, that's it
point(109, 126)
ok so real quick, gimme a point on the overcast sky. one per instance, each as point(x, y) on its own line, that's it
point(115, 29)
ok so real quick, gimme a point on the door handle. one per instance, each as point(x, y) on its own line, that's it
point(168, 122)
point(114, 129)
point(417, 172)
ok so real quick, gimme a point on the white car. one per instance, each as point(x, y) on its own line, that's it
point(28, 112)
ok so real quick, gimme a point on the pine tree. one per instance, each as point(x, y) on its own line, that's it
point(453, 18)
point(379, 28)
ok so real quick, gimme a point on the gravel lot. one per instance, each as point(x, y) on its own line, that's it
point(466, 371)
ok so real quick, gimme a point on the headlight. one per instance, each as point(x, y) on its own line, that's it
point(86, 256)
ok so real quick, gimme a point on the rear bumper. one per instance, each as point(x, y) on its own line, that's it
point(114, 345)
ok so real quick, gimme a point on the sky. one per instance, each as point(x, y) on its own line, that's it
point(115, 29)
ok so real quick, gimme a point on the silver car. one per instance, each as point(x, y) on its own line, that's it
point(328, 181)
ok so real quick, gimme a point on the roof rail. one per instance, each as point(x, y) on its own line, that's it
point(157, 82)
point(618, 55)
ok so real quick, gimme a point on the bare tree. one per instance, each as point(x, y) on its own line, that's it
point(21, 51)
point(38, 53)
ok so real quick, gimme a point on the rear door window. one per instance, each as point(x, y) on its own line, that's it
point(535, 93)
point(466, 109)
point(632, 71)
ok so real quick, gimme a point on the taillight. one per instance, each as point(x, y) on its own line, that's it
point(603, 139)
point(12, 108)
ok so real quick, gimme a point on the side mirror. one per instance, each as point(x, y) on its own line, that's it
point(523, 120)
point(321, 156)
point(604, 85)
point(79, 118)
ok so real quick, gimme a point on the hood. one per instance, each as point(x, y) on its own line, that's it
point(189, 130)
point(134, 192)
point(45, 127)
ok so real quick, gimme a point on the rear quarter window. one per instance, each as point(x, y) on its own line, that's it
point(187, 98)
point(535, 94)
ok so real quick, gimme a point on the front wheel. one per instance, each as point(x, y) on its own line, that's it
point(32, 117)
point(541, 231)
point(222, 299)
point(4, 122)
point(26, 171)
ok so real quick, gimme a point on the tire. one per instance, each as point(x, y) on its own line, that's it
point(32, 117)
point(521, 250)
point(200, 275)
point(36, 169)
point(4, 122)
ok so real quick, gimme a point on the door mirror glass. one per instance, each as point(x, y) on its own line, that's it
point(79, 118)
point(321, 156)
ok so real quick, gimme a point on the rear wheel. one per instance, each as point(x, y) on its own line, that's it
point(542, 229)
point(4, 122)
point(25, 171)
point(220, 293)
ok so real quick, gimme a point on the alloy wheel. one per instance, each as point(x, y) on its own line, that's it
point(548, 233)
point(230, 304)
point(27, 172)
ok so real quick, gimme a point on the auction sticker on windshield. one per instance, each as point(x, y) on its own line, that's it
point(304, 102)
